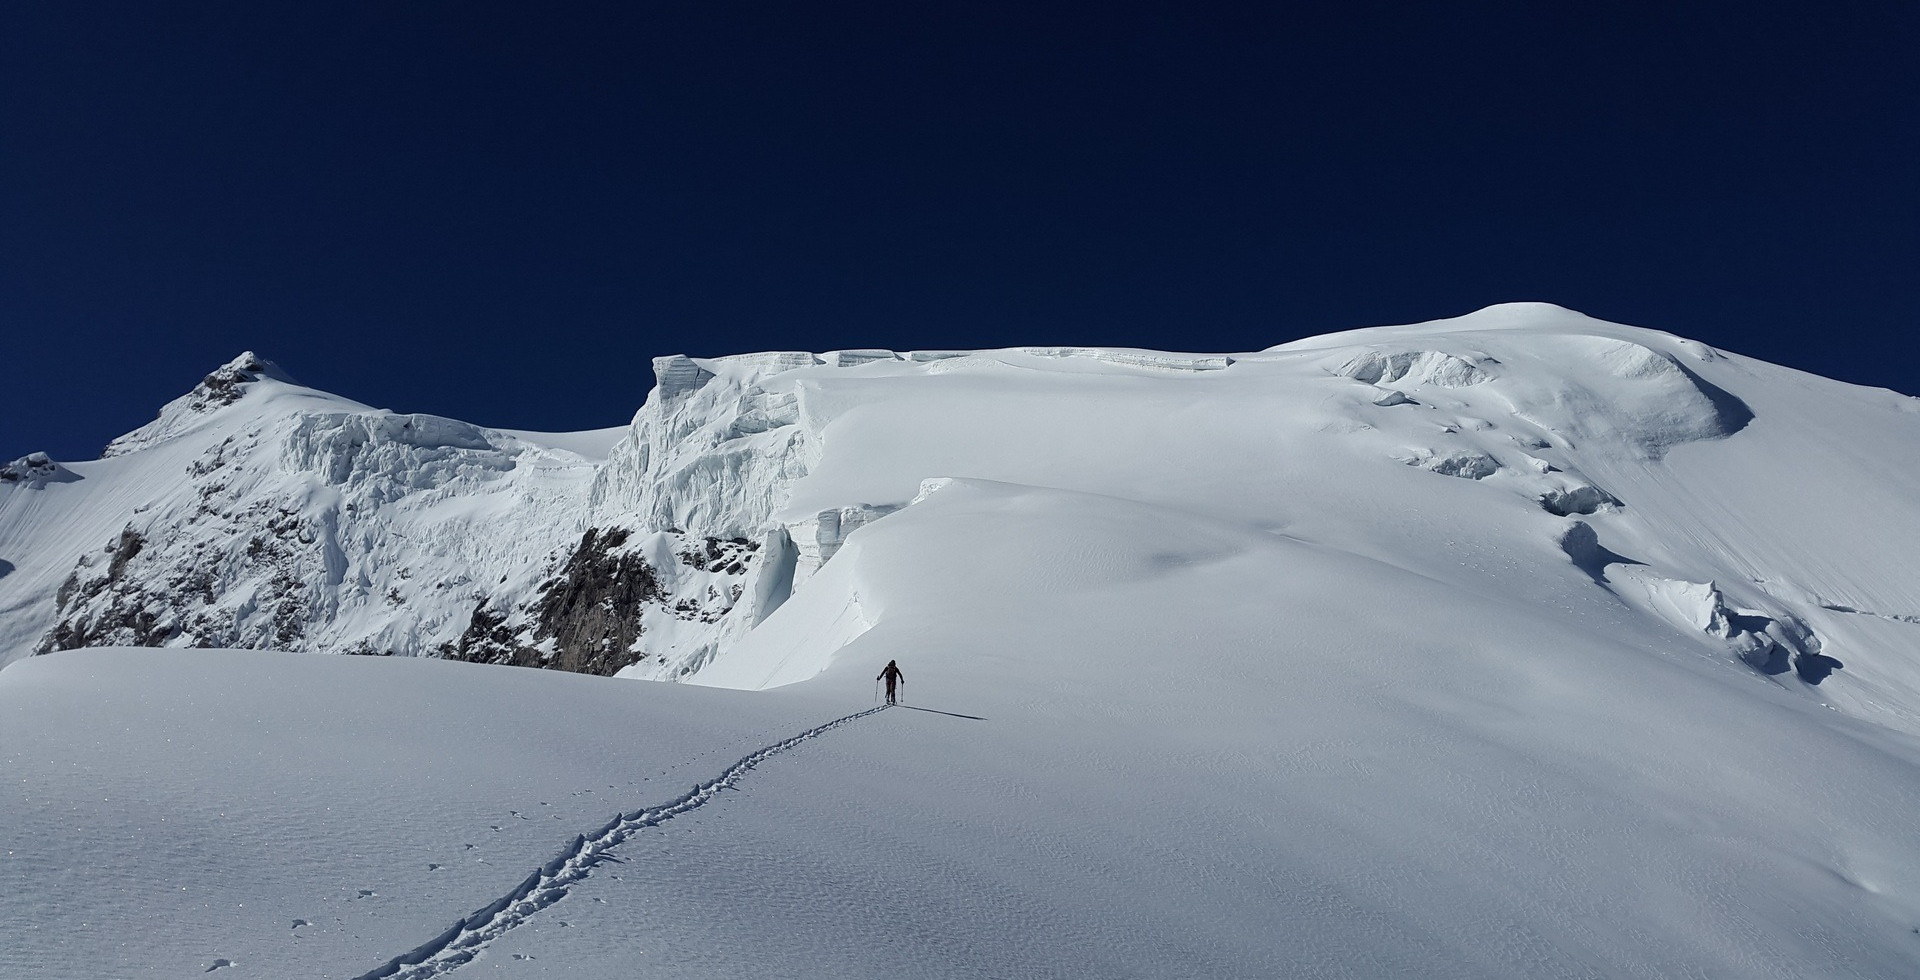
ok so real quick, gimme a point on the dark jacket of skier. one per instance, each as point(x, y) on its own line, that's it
point(892, 676)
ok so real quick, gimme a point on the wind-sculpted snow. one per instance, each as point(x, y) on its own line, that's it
point(1376, 367)
point(1626, 393)
point(1578, 498)
point(1770, 642)
point(1462, 463)
point(1369, 770)
point(711, 451)
point(854, 358)
point(1575, 388)
point(676, 376)
point(389, 456)
point(1152, 360)
point(818, 538)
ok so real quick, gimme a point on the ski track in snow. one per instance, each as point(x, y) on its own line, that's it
point(467, 938)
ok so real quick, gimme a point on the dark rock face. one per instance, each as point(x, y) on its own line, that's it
point(586, 620)
point(489, 640)
point(125, 620)
point(587, 617)
point(726, 555)
point(591, 610)
point(147, 595)
point(222, 387)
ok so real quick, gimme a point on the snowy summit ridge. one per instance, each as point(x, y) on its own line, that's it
point(221, 387)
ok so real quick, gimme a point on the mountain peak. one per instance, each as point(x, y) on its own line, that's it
point(221, 387)
point(1524, 315)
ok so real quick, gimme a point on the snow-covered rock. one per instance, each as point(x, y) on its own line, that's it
point(221, 387)
point(35, 469)
point(256, 513)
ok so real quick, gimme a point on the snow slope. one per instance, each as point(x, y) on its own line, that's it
point(1514, 645)
point(313, 816)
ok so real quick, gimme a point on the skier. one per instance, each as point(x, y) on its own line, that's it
point(892, 676)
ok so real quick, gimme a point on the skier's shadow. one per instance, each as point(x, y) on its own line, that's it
point(949, 714)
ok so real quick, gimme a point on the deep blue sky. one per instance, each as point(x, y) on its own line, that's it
point(500, 212)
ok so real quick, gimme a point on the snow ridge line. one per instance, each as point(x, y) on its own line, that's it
point(549, 883)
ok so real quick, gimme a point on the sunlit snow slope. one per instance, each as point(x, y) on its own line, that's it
point(1514, 645)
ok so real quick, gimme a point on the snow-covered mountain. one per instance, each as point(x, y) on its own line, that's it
point(1517, 644)
point(256, 513)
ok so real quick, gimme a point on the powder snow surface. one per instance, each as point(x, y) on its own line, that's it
point(1479, 648)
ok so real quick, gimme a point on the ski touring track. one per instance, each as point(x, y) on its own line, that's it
point(467, 938)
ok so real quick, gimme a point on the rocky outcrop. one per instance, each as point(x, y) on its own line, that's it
point(587, 618)
point(223, 386)
point(623, 600)
point(124, 620)
point(144, 594)
point(283, 518)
